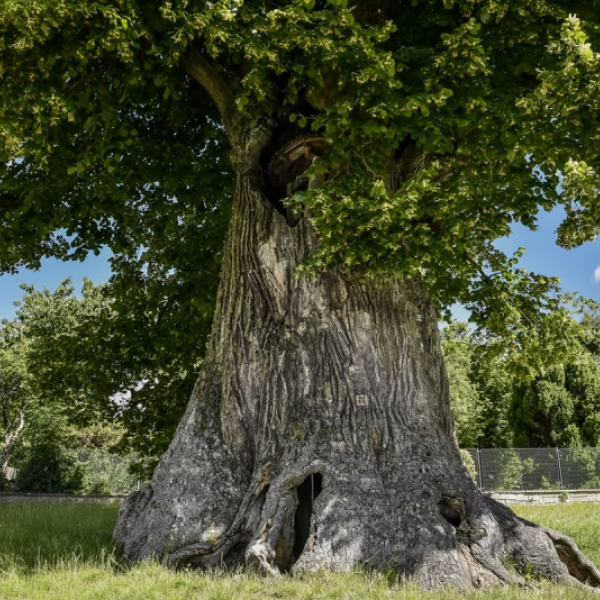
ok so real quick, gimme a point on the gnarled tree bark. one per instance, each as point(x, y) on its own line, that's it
point(319, 433)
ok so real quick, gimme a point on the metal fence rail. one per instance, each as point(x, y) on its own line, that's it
point(501, 469)
point(496, 470)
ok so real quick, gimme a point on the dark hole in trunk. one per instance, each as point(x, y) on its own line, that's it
point(277, 200)
point(450, 509)
point(284, 164)
point(307, 491)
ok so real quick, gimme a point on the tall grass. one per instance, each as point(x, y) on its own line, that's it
point(579, 520)
point(64, 551)
point(153, 582)
point(47, 534)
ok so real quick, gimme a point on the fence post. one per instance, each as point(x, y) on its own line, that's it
point(560, 475)
point(479, 469)
point(51, 476)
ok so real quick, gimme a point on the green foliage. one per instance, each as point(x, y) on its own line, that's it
point(495, 383)
point(465, 400)
point(48, 468)
point(105, 357)
point(45, 460)
point(105, 139)
point(469, 463)
point(55, 363)
point(591, 323)
point(144, 171)
point(583, 467)
point(105, 473)
point(513, 471)
point(494, 408)
point(560, 408)
point(480, 389)
point(55, 456)
point(15, 392)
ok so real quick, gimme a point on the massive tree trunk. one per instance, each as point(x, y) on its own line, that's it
point(319, 433)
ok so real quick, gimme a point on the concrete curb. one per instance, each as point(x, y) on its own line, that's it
point(546, 496)
point(508, 497)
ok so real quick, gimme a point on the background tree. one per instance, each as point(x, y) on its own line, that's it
point(49, 412)
point(108, 358)
point(591, 326)
point(465, 400)
point(560, 408)
point(481, 388)
point(15, 397)
point(494, 408)
point(494, 380)
point(377, 147)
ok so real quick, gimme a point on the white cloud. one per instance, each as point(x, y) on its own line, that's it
point(597, 274)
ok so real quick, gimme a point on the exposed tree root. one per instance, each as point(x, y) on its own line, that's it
point(467, 540)
point(579, 566)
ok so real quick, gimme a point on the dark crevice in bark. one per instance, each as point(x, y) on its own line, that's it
point(578, 565)
point(276, 198)
point(273, 190)
point(574, 569)
point(307, 491)
point(260, 501)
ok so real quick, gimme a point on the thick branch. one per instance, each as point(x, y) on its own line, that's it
point(198, 66)
point(8, 393)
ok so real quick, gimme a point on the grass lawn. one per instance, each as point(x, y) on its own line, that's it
point(64, 551)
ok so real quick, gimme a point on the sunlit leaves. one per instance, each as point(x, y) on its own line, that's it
point(102, 134)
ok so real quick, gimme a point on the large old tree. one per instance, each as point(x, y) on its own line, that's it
point(378, 148)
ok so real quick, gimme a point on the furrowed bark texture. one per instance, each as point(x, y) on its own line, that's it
point(319, 433)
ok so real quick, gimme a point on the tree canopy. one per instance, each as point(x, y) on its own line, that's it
point(118, 118)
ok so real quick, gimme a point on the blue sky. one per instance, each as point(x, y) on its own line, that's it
point(579, 269)
point(50, 275)
point(576, 268)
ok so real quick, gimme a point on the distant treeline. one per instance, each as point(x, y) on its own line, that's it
point(494, 407)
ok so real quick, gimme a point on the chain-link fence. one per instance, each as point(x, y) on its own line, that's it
point(496, 469)
point(536, 468)
point(73, 471)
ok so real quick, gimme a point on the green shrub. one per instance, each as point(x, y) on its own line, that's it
point(469, 464)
